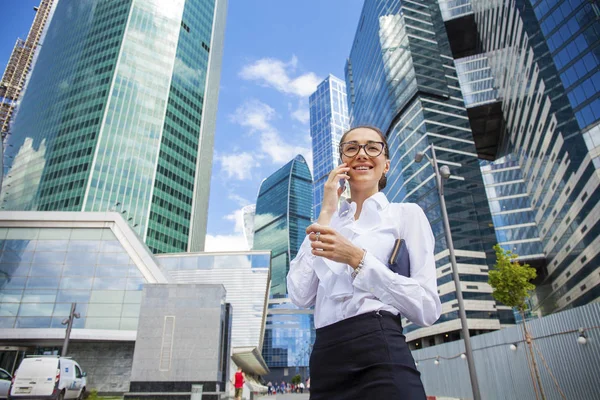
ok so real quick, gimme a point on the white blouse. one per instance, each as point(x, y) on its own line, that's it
point(328, 285)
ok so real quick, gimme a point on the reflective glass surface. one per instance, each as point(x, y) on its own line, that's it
point(121, 87)
point(41, 278)
point(328, 122)
point(283, 212)
point(401, 77)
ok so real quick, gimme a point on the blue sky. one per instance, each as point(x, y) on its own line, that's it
point(276, 52)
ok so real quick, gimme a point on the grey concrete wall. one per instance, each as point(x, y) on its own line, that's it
point(192, 353)
point(108, 364)
point(504, 374)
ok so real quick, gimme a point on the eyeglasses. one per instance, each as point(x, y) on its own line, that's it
point(372, 149)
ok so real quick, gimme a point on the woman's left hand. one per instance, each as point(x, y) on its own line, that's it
point(327, 242)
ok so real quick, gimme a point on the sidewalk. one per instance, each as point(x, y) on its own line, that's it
point(290, 396)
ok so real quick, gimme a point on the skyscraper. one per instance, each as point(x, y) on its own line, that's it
point(328, 122)
point(544, 58)
point(19, 65)
point(119, 114)
point(283, 212)
point(400, 77)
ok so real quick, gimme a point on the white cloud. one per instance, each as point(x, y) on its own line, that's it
point(238, 165)
point(241, 201)
point(257, 115)
point(254, 114)
point(277, 74)
point(301, 113)
point(225, 243)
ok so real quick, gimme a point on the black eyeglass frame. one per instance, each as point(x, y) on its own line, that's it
point(363, 147)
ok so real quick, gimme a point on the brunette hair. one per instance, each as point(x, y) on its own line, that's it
point(386, 150)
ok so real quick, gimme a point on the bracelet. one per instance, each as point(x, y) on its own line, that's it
point(360, 265)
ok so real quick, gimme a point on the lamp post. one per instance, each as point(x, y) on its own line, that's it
point(69, 323)
point(442, 173)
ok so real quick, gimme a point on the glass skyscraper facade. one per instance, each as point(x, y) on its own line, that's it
point(119, 115)
point(283, 212)
point(328, 122)
point(544, 58)
point(401, 77)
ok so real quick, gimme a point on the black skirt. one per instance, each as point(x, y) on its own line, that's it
point(362, 358)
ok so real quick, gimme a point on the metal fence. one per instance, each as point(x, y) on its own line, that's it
point(503, 372)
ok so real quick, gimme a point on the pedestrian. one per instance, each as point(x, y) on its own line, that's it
point(269, 388)
point(238, 383)
point(342, 270)
point(301, 386)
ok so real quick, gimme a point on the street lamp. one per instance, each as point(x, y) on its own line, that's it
point(69, 323)
point(442, 173)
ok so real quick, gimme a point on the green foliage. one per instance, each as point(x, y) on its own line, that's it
point(296, 379)
point(511, 280)
point(92, 394)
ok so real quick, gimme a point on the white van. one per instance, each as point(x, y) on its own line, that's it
point(48, 377)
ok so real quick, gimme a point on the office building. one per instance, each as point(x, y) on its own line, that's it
point(119, 115)
point(248, 213)
point(283, 212)
point(328, 122)
point(213, 303)
point(400, 77)
point(544, 58)
point(19, 65)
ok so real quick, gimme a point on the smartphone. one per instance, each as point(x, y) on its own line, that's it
point(343, 184)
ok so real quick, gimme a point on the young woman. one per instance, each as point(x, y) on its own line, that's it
point(341, 270)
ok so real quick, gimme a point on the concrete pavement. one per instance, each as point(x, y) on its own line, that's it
point(290, 396)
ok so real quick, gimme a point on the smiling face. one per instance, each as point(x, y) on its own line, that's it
point(366, 171)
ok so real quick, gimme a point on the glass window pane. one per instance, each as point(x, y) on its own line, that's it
point(135, 283)
point(9, 309)
point(76, 283)
point(64, 309)
point(109, 270)
point(78, 323)
point(129, 324)
point(54, 233)
point(80, 258)
point(52, 245)
point(39, 296)
point(107, 234)
point(104, 310)
point(109, 284)
point(10, 296)
point(131, 310)
point(47, 257)
point(19, 245)
point(111, 246)
point(89, 246)
point(15, 269)
point(73, 296)
point(12, 283)
point(87, 234)
point(35, 322)
point(102, 323)
point(36, 309)
point(7, 322)
point(42, 282)
point(133, 297)
point(78, 270)
point(22, 233)
point(13, 257)
point(107, 296)
point(113, 258)
point(46, 270)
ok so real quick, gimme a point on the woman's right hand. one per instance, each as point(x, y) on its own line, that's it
point(332, 192)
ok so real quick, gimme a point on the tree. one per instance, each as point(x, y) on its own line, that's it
point(511, 284)
point(296, 379)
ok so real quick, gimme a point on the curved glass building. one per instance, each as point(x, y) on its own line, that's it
point(283, 212)
point(118, 115)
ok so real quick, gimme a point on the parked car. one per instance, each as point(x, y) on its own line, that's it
point(5, 379)
point(48, 377)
